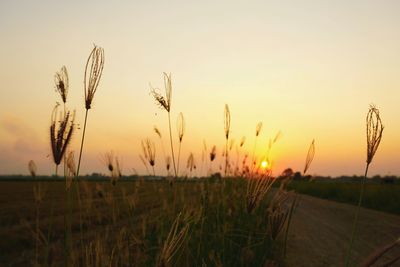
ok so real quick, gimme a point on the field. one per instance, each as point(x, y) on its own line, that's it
point(203, 223)
point(383, 197)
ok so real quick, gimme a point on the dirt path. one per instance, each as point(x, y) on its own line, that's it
point(320, 233)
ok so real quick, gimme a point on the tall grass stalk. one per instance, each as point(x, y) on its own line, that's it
point(374, 135)
point(227, 125)
point(181, 131)
point(91, 82)
point(93, 71)
point(165, 103)
point(253, 159)
point(172, 145)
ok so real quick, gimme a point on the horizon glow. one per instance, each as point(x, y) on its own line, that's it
point(308, 69)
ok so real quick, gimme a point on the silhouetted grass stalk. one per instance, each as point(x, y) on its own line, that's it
point(227, 124)
point(91, 82)
point(374, 135)
point(253, 159)
point(165, 103)
point(172, 145)
point(181, 131)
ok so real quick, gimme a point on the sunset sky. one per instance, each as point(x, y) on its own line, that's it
point(307, 68)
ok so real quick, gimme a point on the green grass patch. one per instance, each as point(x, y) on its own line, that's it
point(382, 197)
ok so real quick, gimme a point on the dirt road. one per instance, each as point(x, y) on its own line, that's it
point(320, 233)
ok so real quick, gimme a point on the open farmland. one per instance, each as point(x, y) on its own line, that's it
point(127, 224)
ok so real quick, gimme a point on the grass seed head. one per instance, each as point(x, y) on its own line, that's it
point(32, 168)
point(149, 151)
point(71, 169)
point(227, 121)
point(310, 156)
point(163, 101)
point(62, 83)
point(175, 239)
point(258, 128)
point(168, 162)
point(180, 125)
point(374, 132)
point(157, 131)
point(61, 129)
point(242, 141)
point(231, 144)
point(108, 160)
point(190, 165)
point(213, 153)
point(93, 71)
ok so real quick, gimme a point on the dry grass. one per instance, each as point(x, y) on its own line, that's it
point(374, 130)
point(62, 83)
point(164, 102)
point(61, 130)
point(93, 71)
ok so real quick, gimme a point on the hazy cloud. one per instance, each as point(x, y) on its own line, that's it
point(22, 144)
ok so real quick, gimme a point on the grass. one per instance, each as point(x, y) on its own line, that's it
point(382, 197)
point(131, 223)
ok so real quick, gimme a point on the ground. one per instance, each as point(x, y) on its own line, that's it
point(320, 232)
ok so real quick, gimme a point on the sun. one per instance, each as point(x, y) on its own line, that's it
point(264, 164)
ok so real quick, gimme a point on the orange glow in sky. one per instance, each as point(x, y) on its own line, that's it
point(307, 68)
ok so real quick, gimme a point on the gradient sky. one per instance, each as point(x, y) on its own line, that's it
point(308, 68)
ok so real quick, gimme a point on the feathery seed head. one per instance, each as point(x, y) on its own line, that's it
point(242, 141)
point(61, 130)
point(213, 153)
point(149, 151)
point(71, 170)
point(176, 236)
point(62, 83)
point(163, 101)
point(71, 163)
point(227, 121)
point(32, 168)
point(258, 128)
point(180, 126)
point(93, 71)
point(157, 131)
point(374, 132)
point(168, 162)
point(277, 137)
point(310, 156)
point(190, 162)
point(108, 159)
point(118, 165)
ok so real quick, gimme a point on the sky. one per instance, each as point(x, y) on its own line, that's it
point(309, 69)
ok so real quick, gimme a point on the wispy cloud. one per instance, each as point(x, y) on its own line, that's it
point(22, 144)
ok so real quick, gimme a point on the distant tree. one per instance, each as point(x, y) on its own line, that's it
point(388, 180)
point(297, 176)
point(287, 172)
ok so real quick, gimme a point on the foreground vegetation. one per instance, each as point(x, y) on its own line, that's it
point(128, 224)
point(140, 224)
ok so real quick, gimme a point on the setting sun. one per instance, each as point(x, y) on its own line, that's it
point(264, 164)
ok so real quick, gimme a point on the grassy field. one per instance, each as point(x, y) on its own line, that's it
point(382, 197)
point(135, 224)
point(150, 223)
